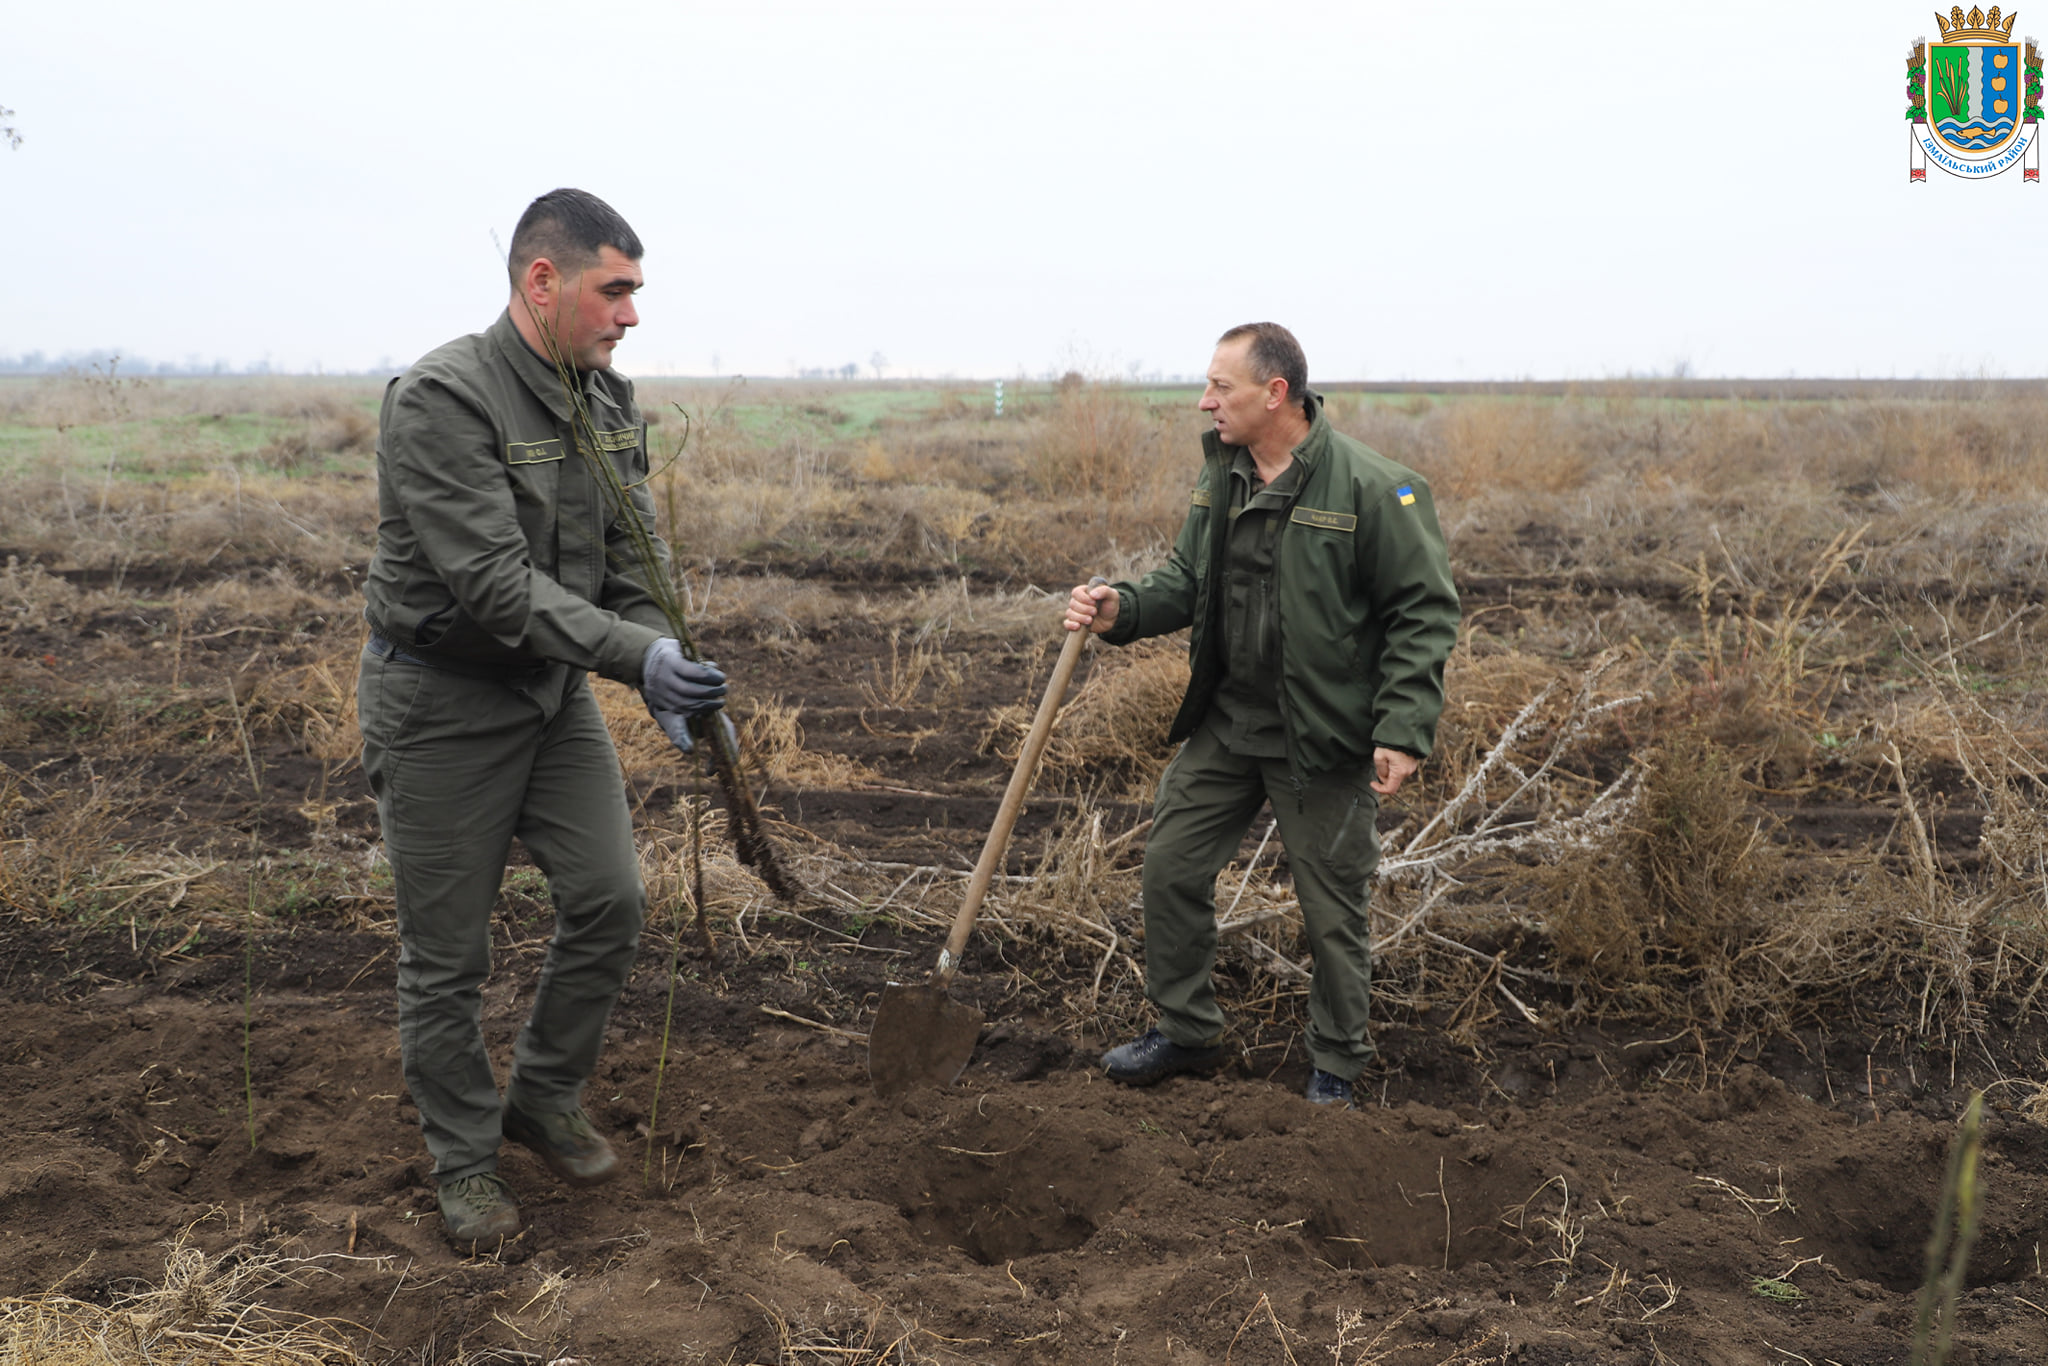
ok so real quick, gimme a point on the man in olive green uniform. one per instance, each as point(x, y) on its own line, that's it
point(501, 579)
point(1314, 575)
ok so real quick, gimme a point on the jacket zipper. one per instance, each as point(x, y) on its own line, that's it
point(1280, 662)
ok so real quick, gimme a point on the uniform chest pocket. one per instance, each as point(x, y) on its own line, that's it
point(533, 470)
point(622, 444)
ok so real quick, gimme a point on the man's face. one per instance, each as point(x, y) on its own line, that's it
point(1240, 406)
point(596, 308)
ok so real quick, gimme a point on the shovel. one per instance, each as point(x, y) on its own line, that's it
point(922, 1036)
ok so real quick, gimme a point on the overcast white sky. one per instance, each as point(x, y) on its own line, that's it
point(1421, 190)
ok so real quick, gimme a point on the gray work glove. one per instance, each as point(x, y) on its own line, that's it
point(676, 727)
point(669, 681)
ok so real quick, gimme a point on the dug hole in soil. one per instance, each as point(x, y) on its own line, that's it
point(1557, 1197)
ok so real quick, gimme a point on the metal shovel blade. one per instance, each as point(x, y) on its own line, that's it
point(920, 1037)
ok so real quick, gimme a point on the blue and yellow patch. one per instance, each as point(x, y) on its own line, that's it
point(1406, 493)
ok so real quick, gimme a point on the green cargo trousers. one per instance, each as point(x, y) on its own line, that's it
point(460, 765)
point(1207, 799)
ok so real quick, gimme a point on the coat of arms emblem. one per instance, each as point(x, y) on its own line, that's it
point(1975, 98)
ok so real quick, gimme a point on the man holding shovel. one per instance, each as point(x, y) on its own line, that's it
point(499, 582)
point(1314, 575)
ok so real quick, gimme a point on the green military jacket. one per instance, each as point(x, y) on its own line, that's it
point(1367, 613)
point(495, 547)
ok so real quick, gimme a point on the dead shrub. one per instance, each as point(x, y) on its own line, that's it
point(1510, 445)
point(1484, 686)
point(1100, 442)
point(329, 429)
point(772, 739)
point(314, 704)
point(1675, 903)
point(1690, 911)
point(908, 673)
point(351, 429)
point(31, 596)
point(667, 865)
point(2035, 1106)
point(67, 850)
point(1479, 445)
point(1113, 726)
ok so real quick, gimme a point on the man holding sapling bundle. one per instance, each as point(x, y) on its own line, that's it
point(1313, 573)
point(501, 578)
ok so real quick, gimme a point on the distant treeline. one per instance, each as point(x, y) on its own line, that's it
point(127, 365)
point(1750, 390)
point(124, 363)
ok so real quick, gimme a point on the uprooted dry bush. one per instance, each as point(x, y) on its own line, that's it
point(1681, 907)
point(1691, 910)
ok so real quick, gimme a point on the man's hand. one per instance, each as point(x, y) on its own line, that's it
point(1394, 767)
point(1092, 607)
point(676, 727)
point(671, 682)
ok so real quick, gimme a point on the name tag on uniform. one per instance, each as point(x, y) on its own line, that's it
point(1199, 498)
point(624, 439)
point(533, 452)
point(1328, 521)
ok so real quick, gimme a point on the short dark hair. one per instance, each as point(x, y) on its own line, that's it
point(569, 227)
point(1274, 354)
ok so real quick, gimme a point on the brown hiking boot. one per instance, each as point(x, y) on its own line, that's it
point(573, 1149)
point(478, 1208)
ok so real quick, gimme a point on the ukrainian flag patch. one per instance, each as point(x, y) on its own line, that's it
point(1406, 493)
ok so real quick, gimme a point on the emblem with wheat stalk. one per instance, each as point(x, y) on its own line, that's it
point(1951, 82)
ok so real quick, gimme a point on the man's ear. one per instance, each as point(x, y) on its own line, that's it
point(541, 283)
point(1276, 394)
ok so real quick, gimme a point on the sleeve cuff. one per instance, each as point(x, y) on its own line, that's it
point(1127, 612)
point(632, 641)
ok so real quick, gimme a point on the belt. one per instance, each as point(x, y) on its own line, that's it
point(382, 647)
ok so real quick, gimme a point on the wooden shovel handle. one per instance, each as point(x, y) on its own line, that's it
point(1013, 801)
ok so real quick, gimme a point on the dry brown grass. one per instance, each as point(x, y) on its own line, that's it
point(185, 472)
point(205, 1309)
point(99, 395)
point(1112, 730)
point(772, 736)
point(1817, 599)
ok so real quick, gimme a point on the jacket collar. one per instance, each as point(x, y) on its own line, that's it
point(534, 370)
point(1309, 452)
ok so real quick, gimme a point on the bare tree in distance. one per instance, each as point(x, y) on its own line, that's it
point(7, 133)
point(878, 361)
